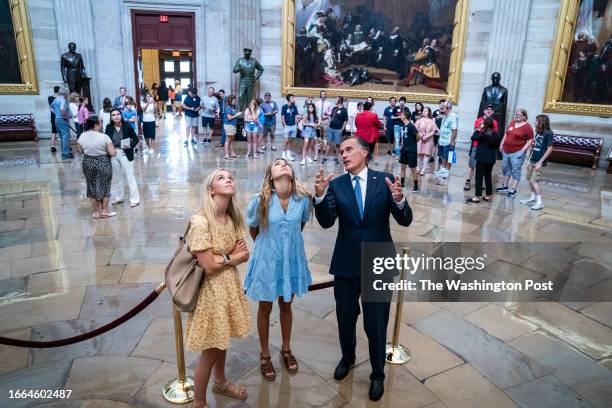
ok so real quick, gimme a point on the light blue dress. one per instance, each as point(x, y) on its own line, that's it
point(278, 264)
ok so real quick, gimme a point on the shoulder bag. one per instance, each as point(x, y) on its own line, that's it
point(184, 277)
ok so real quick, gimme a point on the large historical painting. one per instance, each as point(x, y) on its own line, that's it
point(373, 47)
point(17, 68)
point(580, 80)
point(9, 63)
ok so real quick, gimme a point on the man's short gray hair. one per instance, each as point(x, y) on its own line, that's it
point(364, 145)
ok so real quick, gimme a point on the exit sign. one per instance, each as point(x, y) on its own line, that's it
point(163, 19)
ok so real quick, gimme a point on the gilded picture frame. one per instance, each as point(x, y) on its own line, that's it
point(553, 103)
point(25, 52)
point(459, 32)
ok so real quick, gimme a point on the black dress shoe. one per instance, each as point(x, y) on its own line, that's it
point(377, 389)
point(342, 370)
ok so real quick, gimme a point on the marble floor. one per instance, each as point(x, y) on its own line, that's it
point(63, 273)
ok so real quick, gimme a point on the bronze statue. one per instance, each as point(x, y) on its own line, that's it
point(250, 70)
point(497, 96)
point(73, 69)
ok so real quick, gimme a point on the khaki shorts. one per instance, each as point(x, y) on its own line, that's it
point(533, 175)
point(230, 130)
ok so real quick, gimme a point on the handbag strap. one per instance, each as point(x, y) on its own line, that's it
point(186, 229)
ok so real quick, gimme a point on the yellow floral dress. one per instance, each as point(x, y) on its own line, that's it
point(222, 310)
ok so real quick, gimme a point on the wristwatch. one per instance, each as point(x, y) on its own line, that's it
point(226, 259)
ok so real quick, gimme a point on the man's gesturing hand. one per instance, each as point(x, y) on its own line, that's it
point(395, 189)
point(321, 183)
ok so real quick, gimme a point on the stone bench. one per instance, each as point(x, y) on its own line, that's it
point(579, 150)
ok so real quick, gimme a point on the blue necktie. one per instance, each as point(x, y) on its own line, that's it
point(358, 195)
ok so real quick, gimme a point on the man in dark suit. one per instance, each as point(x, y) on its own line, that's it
point(362, 200)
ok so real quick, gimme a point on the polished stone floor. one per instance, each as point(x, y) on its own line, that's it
point(63, 273)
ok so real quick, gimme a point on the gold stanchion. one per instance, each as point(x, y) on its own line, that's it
point(180, 390)
point(396, 353)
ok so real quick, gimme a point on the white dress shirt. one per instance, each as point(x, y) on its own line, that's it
point(363, 183)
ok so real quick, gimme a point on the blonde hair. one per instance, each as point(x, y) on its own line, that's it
point(249, 108)
point(267, 187)
point(73, 97)
point(208, 209)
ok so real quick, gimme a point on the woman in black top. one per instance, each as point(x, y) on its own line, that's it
point(162, 91)
point(486, 154)
point(418, 112)
point(123, 167)
point(50, 99)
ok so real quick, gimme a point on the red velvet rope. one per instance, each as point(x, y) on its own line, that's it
point(85, 336)
point(109, 326)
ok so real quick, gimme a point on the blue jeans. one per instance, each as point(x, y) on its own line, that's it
point(397, 132)
point(64, 133)
point(223, 136)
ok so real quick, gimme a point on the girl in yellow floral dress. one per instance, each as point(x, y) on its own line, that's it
point(216, 238)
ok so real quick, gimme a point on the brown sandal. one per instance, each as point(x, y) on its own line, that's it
point(289, 360)
point(224, 389)
point(267, 369)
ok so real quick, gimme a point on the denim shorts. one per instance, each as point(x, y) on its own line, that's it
point(443, 151)
point(290, 131)
point(334, 136)
point(251, 127)
point(191, 121)
point(309, 132)
point(512, 164)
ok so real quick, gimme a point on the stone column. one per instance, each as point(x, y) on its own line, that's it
point(506, 46)
point(245, 33)
point(75, 24)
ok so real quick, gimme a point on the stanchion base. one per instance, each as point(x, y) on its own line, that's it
point(397, 354)
point(179, 392)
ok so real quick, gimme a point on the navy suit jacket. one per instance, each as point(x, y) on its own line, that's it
point(340, 203)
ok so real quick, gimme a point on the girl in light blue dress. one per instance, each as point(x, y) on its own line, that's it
point(278, 268)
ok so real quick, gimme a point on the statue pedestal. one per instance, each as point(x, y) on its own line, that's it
point(240, 137)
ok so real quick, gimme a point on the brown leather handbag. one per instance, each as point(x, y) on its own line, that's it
point(184, 277)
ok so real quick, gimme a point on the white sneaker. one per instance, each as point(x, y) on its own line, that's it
point(439, 172)
point(528, 201)
point(537, 206)
point(309, 160)
point(254, 155)
point(445, 173)
point(151, 151)
point(290, 157)
point(303, 162)
point(284, 155)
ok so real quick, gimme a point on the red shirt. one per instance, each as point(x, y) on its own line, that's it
point(479, 122)
point(368, 126)
point(517, 137)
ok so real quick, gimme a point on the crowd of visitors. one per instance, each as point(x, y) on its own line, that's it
point(419, 139)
